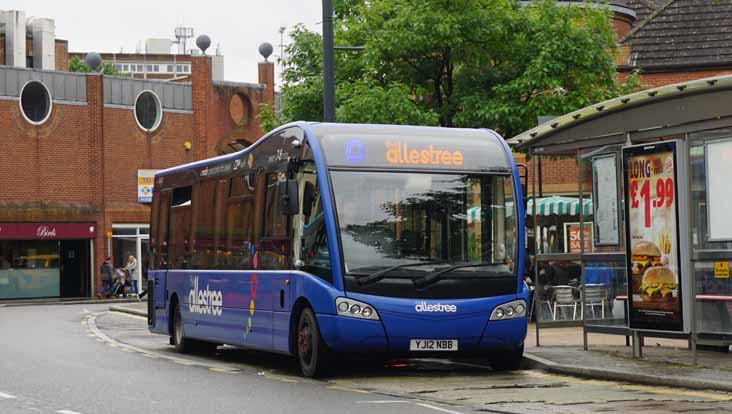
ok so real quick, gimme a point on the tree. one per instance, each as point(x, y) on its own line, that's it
point(78, 65)
point(466, 63)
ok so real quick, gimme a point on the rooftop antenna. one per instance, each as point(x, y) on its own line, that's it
point(182, 34)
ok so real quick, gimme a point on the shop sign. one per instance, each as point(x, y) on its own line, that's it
point(574, 239)
point(145, 183)
point(652, 229)
point(47, 231)
point(721, 270)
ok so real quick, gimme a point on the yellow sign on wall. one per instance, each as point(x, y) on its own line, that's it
point(721, 270)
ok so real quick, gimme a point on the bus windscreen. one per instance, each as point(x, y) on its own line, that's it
point(397, 228)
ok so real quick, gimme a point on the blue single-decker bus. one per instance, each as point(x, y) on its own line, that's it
point(325, 239)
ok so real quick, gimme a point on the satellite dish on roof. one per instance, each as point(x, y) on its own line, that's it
point(93, 60)
point(265, 49)
point(203, 42)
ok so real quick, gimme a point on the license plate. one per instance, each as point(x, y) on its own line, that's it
point(433, 345)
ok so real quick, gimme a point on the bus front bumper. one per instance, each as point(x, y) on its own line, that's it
point(350, 335)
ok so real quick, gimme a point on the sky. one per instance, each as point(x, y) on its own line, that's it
point(237, 27)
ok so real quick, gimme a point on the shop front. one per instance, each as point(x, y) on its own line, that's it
point(46, 260)
point(131, 240)
point(655, 259)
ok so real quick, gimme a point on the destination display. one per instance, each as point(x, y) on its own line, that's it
point(654, 288)
point(416, 152)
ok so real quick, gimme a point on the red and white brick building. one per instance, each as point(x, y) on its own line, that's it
point(71, 149)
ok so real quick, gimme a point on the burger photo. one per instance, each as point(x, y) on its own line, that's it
point(658, 286)
point(644, 255)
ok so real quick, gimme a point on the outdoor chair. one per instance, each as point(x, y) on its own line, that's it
point(595, 295)
point(564, 297)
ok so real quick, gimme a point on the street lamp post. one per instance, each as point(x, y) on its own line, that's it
point(328, 64)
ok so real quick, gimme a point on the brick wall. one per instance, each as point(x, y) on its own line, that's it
point(81, 164)
point(559, 174)
point(62, 55)
point(652, 80)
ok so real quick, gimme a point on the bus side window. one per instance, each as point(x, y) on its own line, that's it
point(180, 228)
point(239, 223)
point(275, 241)
point(203, 242)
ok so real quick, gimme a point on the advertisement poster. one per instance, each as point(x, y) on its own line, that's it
point(654, 279)
point(605, 199)
point(573, 239)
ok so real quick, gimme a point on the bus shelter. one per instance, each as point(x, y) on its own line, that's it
point(651, 255)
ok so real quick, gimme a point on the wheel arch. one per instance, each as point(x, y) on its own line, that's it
point(300, 304)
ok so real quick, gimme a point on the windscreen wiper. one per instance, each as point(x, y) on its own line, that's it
point(436, 276)
point(380, 274)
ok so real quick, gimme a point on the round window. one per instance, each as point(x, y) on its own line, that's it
point(148, 111)
point(239, 109)
point(35, 102)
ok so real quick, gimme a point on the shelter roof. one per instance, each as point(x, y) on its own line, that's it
point(663, 106)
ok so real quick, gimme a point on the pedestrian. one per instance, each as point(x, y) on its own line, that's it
point(119, 283)
point(131, 269)
point(107, 271)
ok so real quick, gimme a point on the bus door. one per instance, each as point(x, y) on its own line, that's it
point(159, 247)
point(276, 255)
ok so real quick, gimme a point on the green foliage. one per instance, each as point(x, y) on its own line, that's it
point(268, 119)
point(78, 65)
point(466, 63)
point(375, 104)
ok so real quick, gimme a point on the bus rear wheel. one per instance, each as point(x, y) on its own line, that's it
point(187, 345)
point(311, 351)
point(178, 339)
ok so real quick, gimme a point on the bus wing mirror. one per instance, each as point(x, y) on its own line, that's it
point(288, 197)
point(307, 199)
point(524, 180)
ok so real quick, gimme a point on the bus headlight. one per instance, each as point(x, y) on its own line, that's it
point(355, 309)
point(510, 310)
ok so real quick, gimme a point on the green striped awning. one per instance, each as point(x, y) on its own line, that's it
point(559, 206)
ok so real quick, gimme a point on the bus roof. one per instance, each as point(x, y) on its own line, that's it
point(476, 146)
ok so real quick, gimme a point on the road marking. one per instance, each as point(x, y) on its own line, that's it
point(424, 405)
point(128, 315)
point(224, 370)
point(6, 396)
point(339, 388)
point(432, 407)
point(94, 330)
point(634, 387)
point(67, 412)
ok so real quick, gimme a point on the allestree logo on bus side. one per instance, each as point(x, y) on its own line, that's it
point(205, 302)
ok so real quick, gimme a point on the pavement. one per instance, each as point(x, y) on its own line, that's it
point(66, 301)
point(665, 362)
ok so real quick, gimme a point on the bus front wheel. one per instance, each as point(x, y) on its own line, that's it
point(508, 361)
point(311, 351)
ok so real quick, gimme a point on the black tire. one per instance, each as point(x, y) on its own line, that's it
point(508, 361)
point(177, 337)
point(312, 353)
